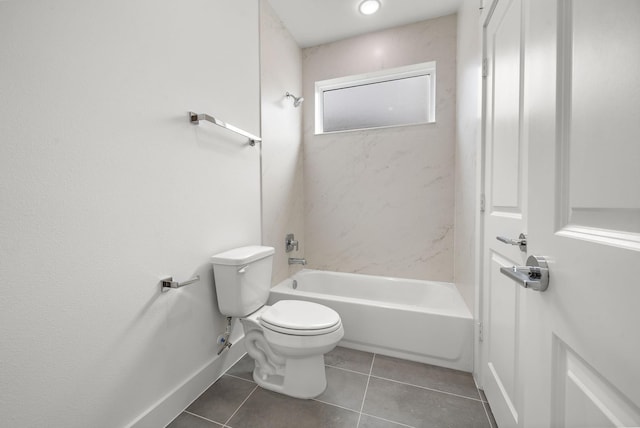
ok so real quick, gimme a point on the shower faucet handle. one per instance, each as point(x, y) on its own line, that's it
point(290, 243)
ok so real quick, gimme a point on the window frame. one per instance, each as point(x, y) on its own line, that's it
point(414, 70)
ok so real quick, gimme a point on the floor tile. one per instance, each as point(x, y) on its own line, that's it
point(186, 420)
point(400, 394)
point(266, 409)
point(222, 399)
point(440, 378)
point(350, 359)
point(344, 388)
point(367, 421)
point(421, 407)
point(243, 368)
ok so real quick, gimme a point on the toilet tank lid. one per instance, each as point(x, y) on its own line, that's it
point(243, 255)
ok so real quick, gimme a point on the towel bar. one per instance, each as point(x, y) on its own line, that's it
point(195, 119)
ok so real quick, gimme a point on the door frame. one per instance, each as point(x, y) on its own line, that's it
point(480, 354)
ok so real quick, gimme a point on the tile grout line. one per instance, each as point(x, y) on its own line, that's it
point(346, 370)
point(428, 389)
point(388, 420)
point(202, 417)
point(241, 404)
point(334, 405)
point(241, 378)
point(364, 397)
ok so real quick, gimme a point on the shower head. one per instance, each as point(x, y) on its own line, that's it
point(296, 100)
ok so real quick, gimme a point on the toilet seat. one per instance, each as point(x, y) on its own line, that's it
point(300, 318)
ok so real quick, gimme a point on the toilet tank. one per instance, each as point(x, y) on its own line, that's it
point(243, 279)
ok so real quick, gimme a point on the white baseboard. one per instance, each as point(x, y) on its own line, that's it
point(170, 406)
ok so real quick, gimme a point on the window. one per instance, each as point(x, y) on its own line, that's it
point(400, 96)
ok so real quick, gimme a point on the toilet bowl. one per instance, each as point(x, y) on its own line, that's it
point(287, 340)
point(290, 360)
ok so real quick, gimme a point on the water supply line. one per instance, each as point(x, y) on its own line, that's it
point(224, 340)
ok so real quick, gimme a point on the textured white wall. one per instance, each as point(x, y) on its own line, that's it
point(382, 201)
point(467, 148)
point(106, 188)
point(282, 179)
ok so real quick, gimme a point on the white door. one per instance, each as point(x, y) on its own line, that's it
point(569, 356)
point(582, 120)
point(505, 214)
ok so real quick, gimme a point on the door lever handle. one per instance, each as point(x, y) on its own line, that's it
point(521, 241)
point(535, 275)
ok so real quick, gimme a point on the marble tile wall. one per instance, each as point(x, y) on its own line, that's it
point(382, 201)
point(282, 178)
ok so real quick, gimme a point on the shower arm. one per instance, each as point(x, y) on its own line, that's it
point(296, 100)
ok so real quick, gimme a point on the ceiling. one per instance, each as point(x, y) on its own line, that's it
point(315, 22)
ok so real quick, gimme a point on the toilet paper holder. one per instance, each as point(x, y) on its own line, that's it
point(168, 283)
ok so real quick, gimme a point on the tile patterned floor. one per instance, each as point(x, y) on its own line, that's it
point(364, 390)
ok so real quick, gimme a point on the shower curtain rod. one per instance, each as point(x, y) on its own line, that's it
point(195, 119)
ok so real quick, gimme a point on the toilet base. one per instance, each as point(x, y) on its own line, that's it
point(302, 378)
point(288, 364)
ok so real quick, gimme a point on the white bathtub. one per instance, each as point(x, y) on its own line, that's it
point(423, 321)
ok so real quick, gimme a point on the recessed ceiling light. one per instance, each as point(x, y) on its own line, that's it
point(369, 7)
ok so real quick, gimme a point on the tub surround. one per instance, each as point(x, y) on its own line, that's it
point(381, 201)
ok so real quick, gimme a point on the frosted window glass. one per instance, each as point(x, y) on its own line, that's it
point(388, 103)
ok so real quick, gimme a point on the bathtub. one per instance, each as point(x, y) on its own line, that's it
point(422, 321)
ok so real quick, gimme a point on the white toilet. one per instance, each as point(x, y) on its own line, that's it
point(287, 340)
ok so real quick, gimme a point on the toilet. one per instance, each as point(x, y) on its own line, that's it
point(287, 340)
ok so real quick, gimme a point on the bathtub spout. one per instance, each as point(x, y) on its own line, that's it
point(295, 261)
